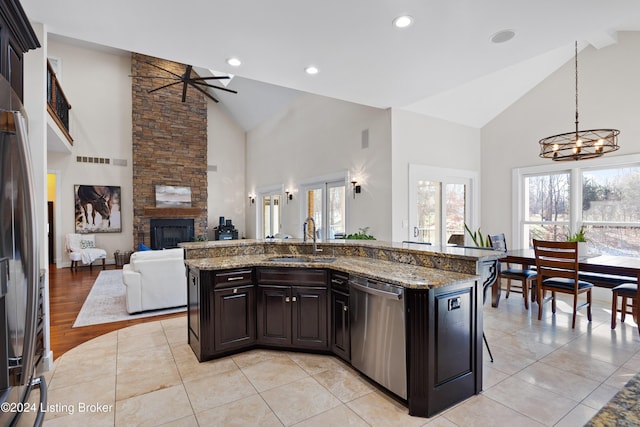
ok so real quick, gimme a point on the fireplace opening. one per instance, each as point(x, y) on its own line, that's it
point(167, 233)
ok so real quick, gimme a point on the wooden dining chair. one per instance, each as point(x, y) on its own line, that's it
point(628, 291)
point(557, 265)
point(523, 275)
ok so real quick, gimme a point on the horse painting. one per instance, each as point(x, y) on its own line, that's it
point(96, 208)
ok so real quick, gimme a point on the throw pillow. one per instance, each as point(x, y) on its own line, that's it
point(143, 247)
point(87, 244)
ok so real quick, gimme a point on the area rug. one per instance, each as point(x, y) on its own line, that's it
point(106, 302)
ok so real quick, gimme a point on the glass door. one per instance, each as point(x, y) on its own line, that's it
point(270, 215)
point(326, 204)
point(440, 203)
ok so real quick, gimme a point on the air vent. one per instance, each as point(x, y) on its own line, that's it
point(119, 162)
point(365, 138)
point(212, 168)
point(97, 160)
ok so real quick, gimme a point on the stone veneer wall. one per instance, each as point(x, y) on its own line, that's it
point(169, 142)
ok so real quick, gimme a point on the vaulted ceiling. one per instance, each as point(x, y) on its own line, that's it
point(443, 65)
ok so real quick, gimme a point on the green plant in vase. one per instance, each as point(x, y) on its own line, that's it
point(477, 237)
point(579, 237)
point(362, 234)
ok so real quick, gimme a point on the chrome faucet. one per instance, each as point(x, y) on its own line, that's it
point(304, 232)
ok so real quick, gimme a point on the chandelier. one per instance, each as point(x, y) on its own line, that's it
point(581, 144)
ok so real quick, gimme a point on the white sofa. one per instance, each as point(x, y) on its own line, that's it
point(155, 280)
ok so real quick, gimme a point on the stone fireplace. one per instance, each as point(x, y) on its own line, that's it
point(169, 147)
point(167, 233)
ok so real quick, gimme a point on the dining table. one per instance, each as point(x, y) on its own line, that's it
point(604, 270)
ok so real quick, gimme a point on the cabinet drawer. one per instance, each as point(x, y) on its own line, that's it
point(340, 281)
point(224, 279)
point(295, 276)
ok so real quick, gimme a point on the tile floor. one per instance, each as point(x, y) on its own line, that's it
point(544, 373)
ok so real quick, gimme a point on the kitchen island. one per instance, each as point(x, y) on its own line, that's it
point(278, 294)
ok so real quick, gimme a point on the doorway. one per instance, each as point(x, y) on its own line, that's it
point(441, 202)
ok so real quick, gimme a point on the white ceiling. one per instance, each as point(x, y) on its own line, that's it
point(444, 65)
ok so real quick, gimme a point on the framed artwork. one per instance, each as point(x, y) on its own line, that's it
point(170, 196)
point(97, 209)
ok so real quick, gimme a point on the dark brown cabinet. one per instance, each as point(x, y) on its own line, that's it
point(235, 319)
point(16, 37)
point(221, 311)
point(293, 308)
point(340, 330)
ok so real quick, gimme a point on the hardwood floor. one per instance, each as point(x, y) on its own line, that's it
point(67, 292)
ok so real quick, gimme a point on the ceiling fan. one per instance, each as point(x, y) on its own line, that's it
point(199, 83)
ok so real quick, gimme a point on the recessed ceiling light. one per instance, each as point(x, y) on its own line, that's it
point(403, 21)
point(311, 70)
point(234, 62)
point(503, 36)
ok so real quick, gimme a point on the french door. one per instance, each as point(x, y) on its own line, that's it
point(441, 201)
point(270, 214)
point(326, 204)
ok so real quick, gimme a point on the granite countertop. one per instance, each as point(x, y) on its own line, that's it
point(480, 254)
point(406, 275)
point(623, 409)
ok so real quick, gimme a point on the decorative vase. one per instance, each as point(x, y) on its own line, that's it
point(582, 249)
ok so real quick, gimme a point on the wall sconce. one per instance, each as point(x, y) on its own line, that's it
point(252, 199)
point(356, 188)
point(289, 195)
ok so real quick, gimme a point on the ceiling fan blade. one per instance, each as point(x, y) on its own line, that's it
point(165, 86)
point(166, 71)
point(205, 93)
point(153, 77)
point(211, 78)
point(184, 91)
point(213, 86)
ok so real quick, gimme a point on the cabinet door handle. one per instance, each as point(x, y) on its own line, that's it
point(337, 281)
point(231, 279)
point(287, 299)
point(293, 299)
point(235, 290)
point(345, 308)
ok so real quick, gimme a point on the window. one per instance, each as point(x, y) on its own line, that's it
point(547, 207)
point(603, 196)
point(326, 204)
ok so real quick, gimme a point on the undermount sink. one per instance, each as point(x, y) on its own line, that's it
point(301, 259)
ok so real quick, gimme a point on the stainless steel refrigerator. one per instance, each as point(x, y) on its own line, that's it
point(20, 308)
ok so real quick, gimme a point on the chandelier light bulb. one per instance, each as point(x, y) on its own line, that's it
point(555, 147)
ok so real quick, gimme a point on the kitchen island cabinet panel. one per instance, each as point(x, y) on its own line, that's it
point(444, 345)
point(235, 320)
point(293, 309)
point(309, 327)
point(274, 315)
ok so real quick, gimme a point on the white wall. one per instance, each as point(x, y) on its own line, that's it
point(98, 87)
point(226, 151)
point(418, 139)
point(609, 88)
point(318, 136)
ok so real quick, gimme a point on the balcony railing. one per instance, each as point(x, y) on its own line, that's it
point(57, 103)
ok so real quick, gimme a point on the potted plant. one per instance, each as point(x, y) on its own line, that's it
point(477, 237)
point(579, 237)
point(362, 234)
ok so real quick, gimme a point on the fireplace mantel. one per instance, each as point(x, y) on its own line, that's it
point(153, 212)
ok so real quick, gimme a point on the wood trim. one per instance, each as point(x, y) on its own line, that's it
point(172, 212)
point(56, 119)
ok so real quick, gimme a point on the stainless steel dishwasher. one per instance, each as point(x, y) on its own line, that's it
point(378, 343)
